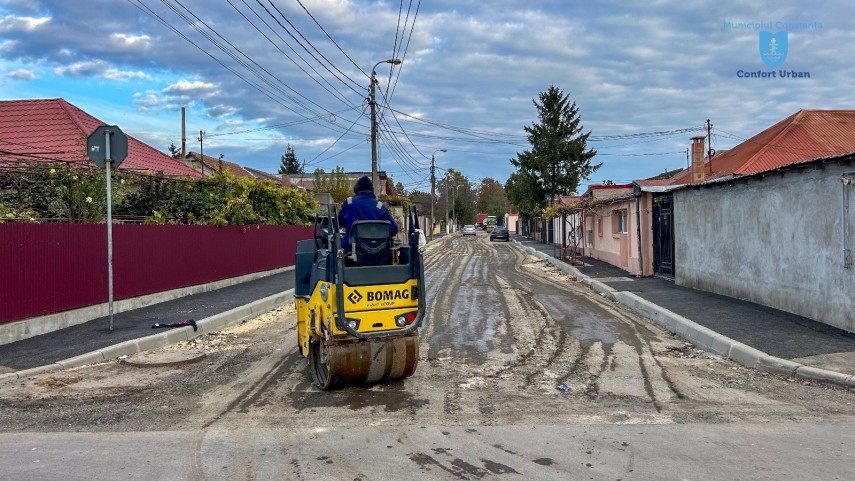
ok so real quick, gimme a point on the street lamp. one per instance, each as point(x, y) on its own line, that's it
point(433, 187)
point(373, 103)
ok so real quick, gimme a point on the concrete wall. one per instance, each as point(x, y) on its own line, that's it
point(775, 241)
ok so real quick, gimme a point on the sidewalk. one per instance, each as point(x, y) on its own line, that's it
point(748, 333)
point(84, 342)
point(92, 341)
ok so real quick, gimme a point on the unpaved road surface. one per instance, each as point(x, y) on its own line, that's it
point(504, 331)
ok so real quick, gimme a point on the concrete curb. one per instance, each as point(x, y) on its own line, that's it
point(699, 335)
point(209, 324)
point(34, 326)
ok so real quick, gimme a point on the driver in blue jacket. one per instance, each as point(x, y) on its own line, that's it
point(362, 206)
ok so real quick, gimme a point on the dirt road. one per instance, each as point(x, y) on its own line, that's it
point(504, 331)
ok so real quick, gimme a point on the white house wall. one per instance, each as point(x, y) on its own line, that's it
point(776, 241)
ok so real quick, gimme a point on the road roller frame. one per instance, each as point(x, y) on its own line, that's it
point(357, 323)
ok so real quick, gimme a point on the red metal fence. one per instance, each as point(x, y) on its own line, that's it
point(47, 268)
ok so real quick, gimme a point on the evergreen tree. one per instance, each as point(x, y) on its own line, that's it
point(290, 164)
point(558, 158)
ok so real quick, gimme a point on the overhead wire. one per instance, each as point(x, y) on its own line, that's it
point(147, 10)
point(317, 78)
point(313, 47)
point(331, 39)
point(272, 77)
point(403, 57)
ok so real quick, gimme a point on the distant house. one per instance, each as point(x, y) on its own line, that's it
point(54, 130)
point(772, 220)
point(207, 165)
point(307, 180)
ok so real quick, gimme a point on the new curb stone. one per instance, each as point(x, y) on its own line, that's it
point(209, 324)
point(702, 336)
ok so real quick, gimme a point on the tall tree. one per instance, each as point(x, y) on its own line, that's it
point(491, 198)
point(559, 157)
point(526, 193)
point(290, 164)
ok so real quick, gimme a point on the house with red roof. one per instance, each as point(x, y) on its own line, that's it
point(771, 220)
point(54, 130)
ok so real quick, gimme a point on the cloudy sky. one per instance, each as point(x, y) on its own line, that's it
point(256, 75)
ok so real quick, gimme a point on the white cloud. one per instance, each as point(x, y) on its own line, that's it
point(98, 68)
point(148, 101)
point(140, 41)
point(90, 68)
point(116, 74)
point(22, 74)
point(221, 110)
point(187, 89)
point(11, 23)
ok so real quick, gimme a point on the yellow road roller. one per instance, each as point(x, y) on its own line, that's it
point(359, 312)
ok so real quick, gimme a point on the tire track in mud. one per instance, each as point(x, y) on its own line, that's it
point(642, 345)
point(532, 340)
point(442, 280)
point(591, 378)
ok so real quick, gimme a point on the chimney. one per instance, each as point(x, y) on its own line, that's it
point(698, 174)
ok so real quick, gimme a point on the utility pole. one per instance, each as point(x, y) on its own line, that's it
point(433, 188)
point(447, 225)
point(373, 103)
point(201, 153)
point(183, 136)
point(432, 192)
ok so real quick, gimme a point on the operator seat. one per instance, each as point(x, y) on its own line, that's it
point(371, 242)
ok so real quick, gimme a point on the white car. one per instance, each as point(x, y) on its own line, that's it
point(469, 230)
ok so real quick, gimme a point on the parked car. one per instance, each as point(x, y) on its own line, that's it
point(469, 230)
point(500, 232)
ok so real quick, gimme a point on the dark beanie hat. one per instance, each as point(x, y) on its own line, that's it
point(363, 184)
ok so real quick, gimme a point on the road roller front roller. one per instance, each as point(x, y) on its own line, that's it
point(359, 312)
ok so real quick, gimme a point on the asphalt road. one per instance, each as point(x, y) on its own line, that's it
point(504, 331)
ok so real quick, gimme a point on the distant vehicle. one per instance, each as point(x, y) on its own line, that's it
point(500, 232)
point(479, 219)
point(469, 230)
point(490, 223)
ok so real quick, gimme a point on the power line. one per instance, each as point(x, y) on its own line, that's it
point(310, 43)
point(317, 80)
point(331, 39)
point(412, 27)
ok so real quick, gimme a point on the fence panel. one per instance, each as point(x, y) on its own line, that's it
point(47, 268)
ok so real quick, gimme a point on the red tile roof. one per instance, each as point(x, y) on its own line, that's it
point(55, 130)
point(654, 182)
point(805, 135)
point(569, 199)
point(213, 163)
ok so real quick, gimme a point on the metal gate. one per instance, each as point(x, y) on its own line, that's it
point(663, 236)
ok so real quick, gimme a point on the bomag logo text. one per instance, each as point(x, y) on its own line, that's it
point(390, 295)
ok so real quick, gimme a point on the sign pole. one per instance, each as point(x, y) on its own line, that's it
point(108, 162)
point(104, 153)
